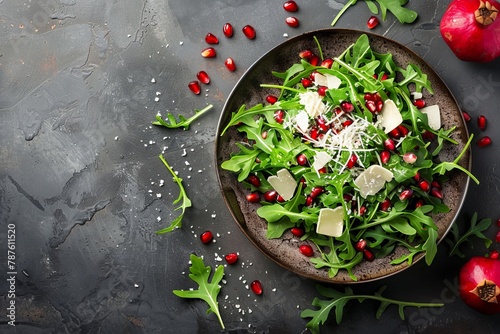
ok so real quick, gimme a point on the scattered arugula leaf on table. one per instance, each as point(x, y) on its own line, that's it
point(186, 202)
point(208, 291)
point(396, 7)
point(172, 123)
point(337, 300)
point(455, 239)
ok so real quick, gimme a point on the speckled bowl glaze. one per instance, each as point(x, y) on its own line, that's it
point(284, 251)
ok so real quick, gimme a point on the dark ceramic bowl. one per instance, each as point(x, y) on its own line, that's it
point(284, 251)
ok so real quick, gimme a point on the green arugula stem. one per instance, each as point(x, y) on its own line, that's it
point(281, 87)
point(342, 11)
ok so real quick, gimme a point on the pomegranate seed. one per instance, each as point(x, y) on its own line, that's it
point(417, 176)
point(290, 6)
point(306, 54)
point(231, 258)
point(302, 159)
point(436, 184)
point(280, 199)
point(419, 103)
point(306, 82)
point(254, 180)
point(227, 30)
point(298, 232)
point(385, 156)
point(327, 62)
point(208, 52)
point(410, 158)
point(380, 105)
point(360, 245)
point(497, 237)
point(309, 201)
point(323, 170)
point(271, 196)
point(362, 210)
point(371, 106)
point(372, 22)
point(403, 130)
point(306, 250)
point(314, 60)
point(385, 76)
point(436, 192)
point(203, 77)
point(194, 86)
point(498, 222)
point(271, 99)
point(253, 197)
point(485, 141)
point(377, 97)
point(347, 106)
point(292, 21)
point(211, 39)
point(352, 161)
point(368, 255)
point(394, 133)
point(249, 31)
point(230, 65)
point(424, 185)
point(206, 237)
point(481, 122)
point(406, 194)
point(314, 133)
point(385, 204)
point(347, 197)
point(256, 287)
point(316, 191)
point(466, 116)
point(494, 254)
point(419, 203)
point(389, 144)
point(279, 116)
point(369, 97)
point(322, 90)
point(346, 123)
point(321, 122)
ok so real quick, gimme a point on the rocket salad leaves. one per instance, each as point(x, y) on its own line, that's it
point(396, 7)
point(339, 124)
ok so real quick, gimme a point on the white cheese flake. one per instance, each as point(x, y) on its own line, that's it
point(390, 116)
point(321, 159)
point(302, 121)
point(433, 116)
point(283, 183)
point(372, 180)
point(331, 222)
point(312, 103)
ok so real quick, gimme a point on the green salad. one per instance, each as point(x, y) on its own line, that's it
point(346, 155)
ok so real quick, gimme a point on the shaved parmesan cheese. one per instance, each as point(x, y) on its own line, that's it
point(331, 222)
point(312, 103)
point(433, 116)
point(372, 180)
point(302, 121)
point(390, 116)
point(328, 80)
point(416, 95)
point(333, 81)
point(320, 79)
point(321, 159)
point(283, 183)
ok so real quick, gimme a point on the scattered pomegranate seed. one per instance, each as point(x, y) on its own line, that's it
point(484, 141)
point(256, 287)
point(419, 203)
point(424, 185)
point(316, 191)
point(254, 180)
point(389, 144)
point(360, 245)
point(271, 196)
point(362, 210)
point(279, 116)
point(306, 82)
point(194, 86)
point(406, 194)
point(395, 133)
point(298, 232)
point(347, 122)
point(323, 170)
point(371, 106)
point(290, 6)
point(327, 62)
point(436, 192)
point(306, 54)
point(322, 90)
point(372, 22)
point(227, 30)
point(306, 250)
point(417, 176)
point(253, 197)
point(368, 255)
point(481, 122)
point(271, 99)
point(230, 65)
point(309, 201)
point(437, 185)
point(410, 158)
point(352, 161)
point(206, 237)
point(466, 116)
point(385, 156)
point(302, 159)
point(203, 77)
point(249, 31)
point(231, 258)
point(385, 204)
point(380, 105)
point(292, 21)
point(497, 237)
point(494, 254)
point(419, 103)
point(403, 130)
point(321, 122)
point(211, 38)
point(208, 52)
point(347, 106)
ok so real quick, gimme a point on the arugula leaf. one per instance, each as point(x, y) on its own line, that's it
point(396, 7)
point(455, 240)
point(183, 122)
point(186, 202)
point(207, 291)
point(337, 301)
